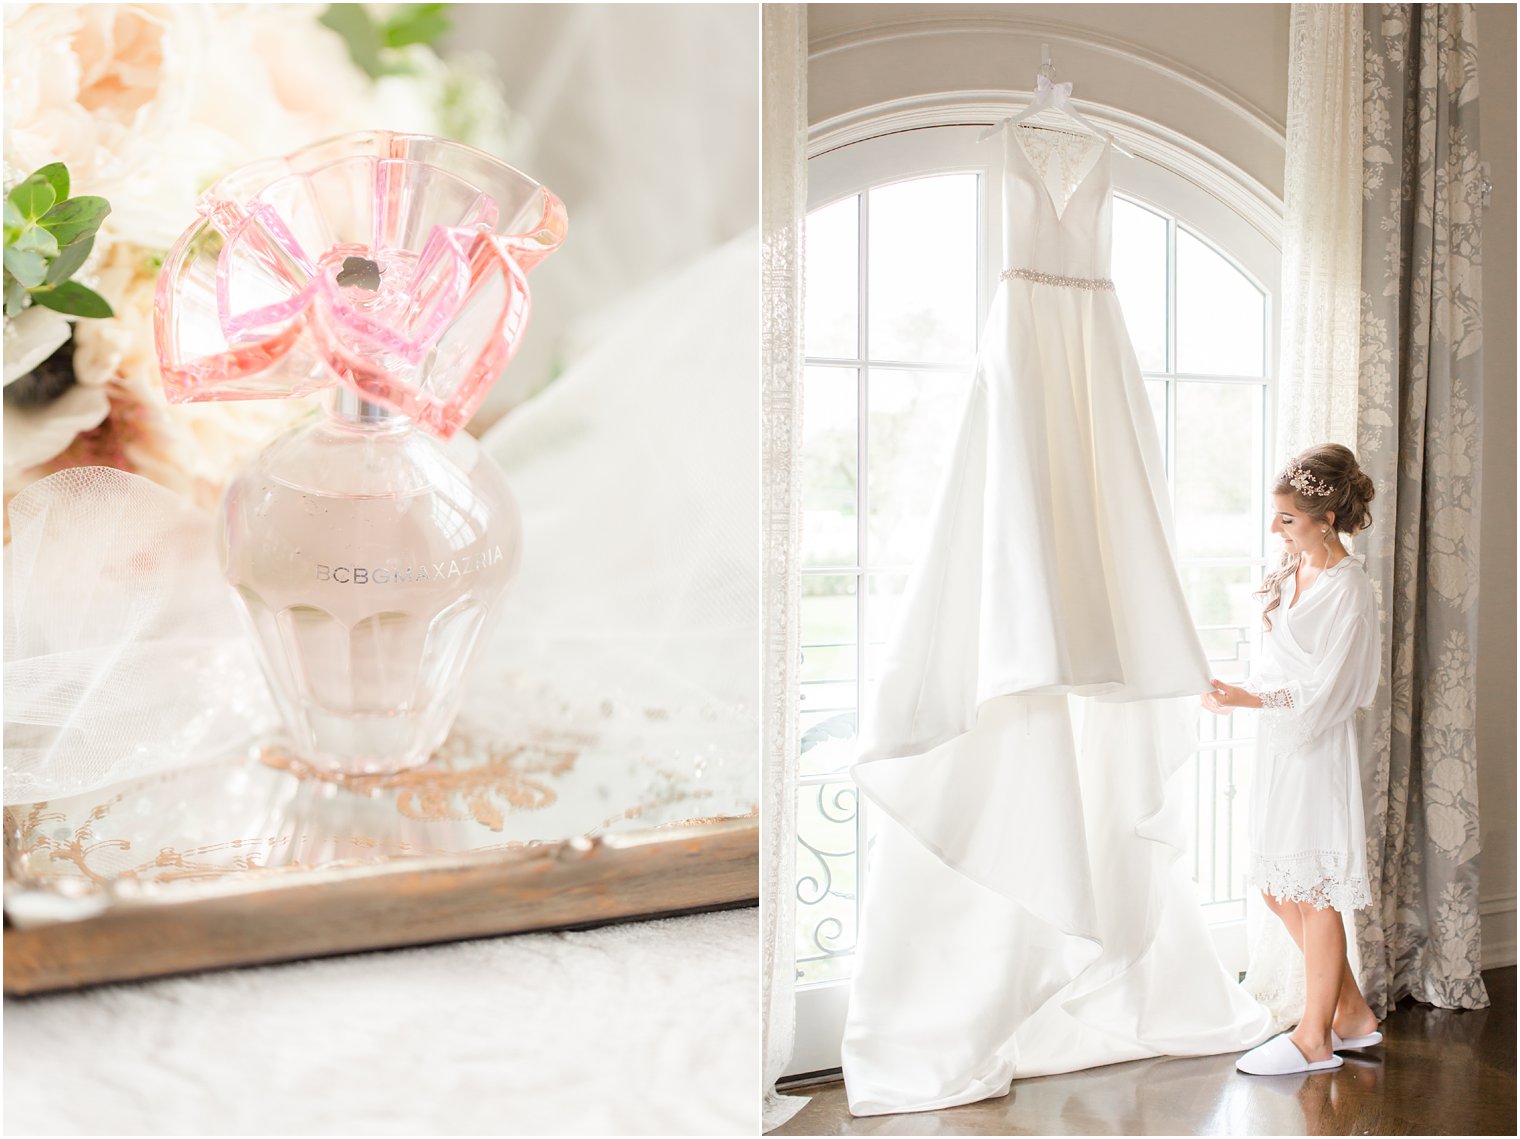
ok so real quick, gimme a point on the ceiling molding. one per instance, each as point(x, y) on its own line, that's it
point(1027, 28)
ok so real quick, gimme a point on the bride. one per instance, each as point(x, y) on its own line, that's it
point(1319, 664)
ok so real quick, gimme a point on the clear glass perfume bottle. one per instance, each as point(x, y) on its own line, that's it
point(368, 558)
point(369, 545)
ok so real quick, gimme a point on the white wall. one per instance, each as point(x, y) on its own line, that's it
point(1219, 72)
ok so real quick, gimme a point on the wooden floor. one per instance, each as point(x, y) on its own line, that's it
point(1438, 1073)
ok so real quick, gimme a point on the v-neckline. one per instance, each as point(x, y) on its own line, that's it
point(1298, 593)
point(1059, 210)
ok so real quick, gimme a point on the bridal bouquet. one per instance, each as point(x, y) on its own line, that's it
point(116, 117)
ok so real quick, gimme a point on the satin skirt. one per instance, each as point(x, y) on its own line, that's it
point(1025, 910)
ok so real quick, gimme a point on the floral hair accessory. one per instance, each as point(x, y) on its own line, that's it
point(392, 264)
point(1305, 483)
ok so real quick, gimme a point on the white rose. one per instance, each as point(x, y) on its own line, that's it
point(34, 435)
point(31, 338)
point(275, 80)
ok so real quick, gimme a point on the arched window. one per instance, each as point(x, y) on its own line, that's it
point(902, 236)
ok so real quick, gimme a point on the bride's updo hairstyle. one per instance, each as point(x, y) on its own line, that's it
point(1322, 481)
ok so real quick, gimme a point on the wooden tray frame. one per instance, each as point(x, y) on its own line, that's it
point(227, 921)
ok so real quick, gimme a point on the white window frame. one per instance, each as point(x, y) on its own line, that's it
point(932, 150)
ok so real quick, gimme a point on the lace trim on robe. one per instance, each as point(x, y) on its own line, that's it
point(1319, 877)
point(1279, 715)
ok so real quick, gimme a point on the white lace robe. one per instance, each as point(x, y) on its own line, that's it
point(1319, 665)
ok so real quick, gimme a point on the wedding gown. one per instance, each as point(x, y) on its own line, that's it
point(1024, 911)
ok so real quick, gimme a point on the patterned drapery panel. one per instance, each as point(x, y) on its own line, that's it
point(1418, 437)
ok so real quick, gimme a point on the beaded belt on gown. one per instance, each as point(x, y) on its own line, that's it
point(1056, 279)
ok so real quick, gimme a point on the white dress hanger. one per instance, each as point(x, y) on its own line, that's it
point(1051, 96)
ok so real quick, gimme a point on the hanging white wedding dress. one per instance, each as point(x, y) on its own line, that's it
point(1024, 910)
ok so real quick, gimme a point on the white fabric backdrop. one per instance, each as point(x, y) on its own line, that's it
point(643, 118)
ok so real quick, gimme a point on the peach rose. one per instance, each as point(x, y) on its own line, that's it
point(103, 88)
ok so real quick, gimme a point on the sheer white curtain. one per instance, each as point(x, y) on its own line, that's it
point(782, 204)
point(1322, 229)
point(1321, 328)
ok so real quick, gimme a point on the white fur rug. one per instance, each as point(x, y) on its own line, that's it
point(632, 1029)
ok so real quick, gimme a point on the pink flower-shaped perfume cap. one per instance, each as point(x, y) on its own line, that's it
point(395, 264)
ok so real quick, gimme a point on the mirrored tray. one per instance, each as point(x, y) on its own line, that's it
point(263, 859)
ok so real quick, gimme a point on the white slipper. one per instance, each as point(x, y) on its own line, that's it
point(1354, 1042)
point(1281, 1057)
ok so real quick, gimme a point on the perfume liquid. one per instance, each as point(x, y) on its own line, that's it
point(369, 559)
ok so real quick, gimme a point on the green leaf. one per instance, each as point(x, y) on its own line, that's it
point(37, 240)
point(26, 266)
point(68, 261)
point(57, 175)
point(15, 296)
point(416, 24)
point(14, 222)
point(76, 219)
point(354, 23)
point(74, 299)
point(33, 197)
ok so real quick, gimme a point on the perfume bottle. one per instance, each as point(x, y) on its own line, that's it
point(370, 545)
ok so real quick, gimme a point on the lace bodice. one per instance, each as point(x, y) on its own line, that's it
point(1059, 184)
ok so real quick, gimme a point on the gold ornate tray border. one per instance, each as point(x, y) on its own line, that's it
point(227, 922)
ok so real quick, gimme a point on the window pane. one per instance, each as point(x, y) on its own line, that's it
point(1139, 273)
point(1238, 727)
point(830, 420)
point(922, 275)
point(833, 280)
point(883, 605)
point(827, 720)
point(1221, 316)
point(826, 880)
point(1155, 391)
point(1226, 613)
point(1214, 788)
point(912, 420)
point(1220, 511)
